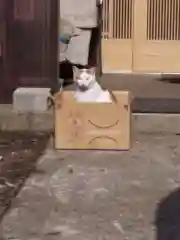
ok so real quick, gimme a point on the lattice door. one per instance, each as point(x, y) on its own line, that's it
point(117, 35)
point(156, 36)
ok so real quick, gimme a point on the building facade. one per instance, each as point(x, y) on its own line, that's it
point(28, 45)
point(141, 36)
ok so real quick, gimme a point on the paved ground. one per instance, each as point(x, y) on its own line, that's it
point(101, 195)
point(152, 94)
point(18, 155)
point(143, 86)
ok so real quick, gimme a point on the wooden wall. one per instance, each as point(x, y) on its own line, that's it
point(30, 44)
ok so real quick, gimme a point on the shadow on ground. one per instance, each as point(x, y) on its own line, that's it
point(19, 153)
point(167, 219)
point(66, 73)
point(169, 78)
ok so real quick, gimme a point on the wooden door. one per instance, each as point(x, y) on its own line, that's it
point(156, 36)
point(5, 76)
point(117, 44)
point(32, 32)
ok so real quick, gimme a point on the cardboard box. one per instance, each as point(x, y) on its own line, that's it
point(103, 126)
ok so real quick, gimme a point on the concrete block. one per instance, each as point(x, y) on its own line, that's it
point(33, 100)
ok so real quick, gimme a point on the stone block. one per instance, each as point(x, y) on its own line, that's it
point(33, 100)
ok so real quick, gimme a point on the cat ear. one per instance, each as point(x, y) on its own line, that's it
point(75, 72)
point(75, 69)
point(92, 70)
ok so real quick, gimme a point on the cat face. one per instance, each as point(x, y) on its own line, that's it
point(84, 78)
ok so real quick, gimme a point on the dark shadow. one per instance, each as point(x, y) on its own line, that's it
point(19, 153)
point(66, 73)
point(167, 218)
point(170, 78)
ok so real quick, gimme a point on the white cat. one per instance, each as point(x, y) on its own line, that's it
point(87, 88)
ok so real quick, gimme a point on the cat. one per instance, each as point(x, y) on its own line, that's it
point(87, 88)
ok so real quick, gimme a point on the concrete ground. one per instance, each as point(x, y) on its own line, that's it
point(86, 195)
point(152, 93)
point(101, 195)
